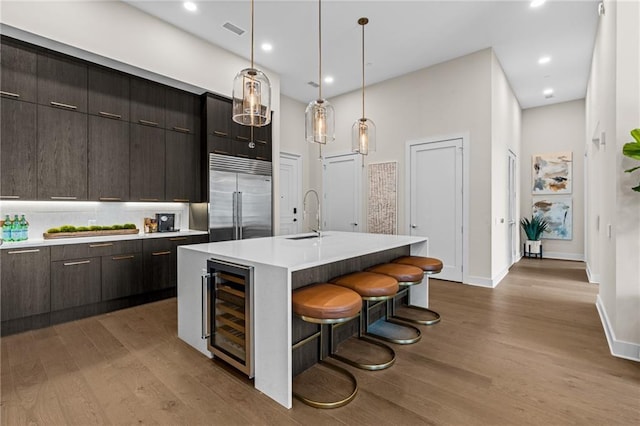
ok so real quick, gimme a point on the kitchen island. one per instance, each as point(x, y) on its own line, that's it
point(282, 264)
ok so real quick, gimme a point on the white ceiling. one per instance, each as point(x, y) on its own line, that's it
point(401, 37)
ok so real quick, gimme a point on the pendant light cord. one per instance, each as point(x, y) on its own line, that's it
point(319, 49)
point(363, 71)
point(251, 33)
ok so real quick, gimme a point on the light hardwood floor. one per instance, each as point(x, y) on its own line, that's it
point(531, 351)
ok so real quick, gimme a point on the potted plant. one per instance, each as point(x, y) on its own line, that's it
point(632, 150)
point(533, 229)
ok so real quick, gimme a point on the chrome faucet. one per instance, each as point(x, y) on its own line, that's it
point(318, 231)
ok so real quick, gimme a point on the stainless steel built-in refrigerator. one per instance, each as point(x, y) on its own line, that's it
point(239, 198)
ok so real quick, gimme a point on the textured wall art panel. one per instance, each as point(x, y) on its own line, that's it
point(552, 173)
point(382, 209)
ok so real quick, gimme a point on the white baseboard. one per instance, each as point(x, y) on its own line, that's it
point(618, 348)
point(593, 278)
point(480, 281)
point(563, 256)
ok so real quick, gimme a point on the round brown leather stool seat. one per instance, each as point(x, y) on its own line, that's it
point(426, 265)
point(369, 285)
point(430, 265)
point(326, 304)
point(402, 273)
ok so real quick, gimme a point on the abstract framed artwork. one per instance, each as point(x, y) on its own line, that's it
point(382, 206)
point(552, 173)
point(558, 213)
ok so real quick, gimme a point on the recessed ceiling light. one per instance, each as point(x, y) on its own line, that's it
point(548, 93)
point(328, 79)
point(190, 6)
point(544, 60)
point(267, 47)
point(537, 3)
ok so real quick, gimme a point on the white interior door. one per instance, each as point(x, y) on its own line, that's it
point(290, 193)
point(435, 201)
point(512, 237)
point(342, 182)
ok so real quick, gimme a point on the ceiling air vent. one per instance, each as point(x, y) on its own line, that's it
point(313, 84)
point(233, 28)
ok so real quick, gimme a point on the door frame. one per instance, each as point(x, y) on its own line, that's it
point(466, 139)
point(299, 184)
point(359, 165)
point(513, 233)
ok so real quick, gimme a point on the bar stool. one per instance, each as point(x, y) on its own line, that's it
point(326, 304)
point(371, 288)
point(430, 266)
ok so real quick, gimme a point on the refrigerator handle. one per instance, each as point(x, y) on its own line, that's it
point(234, 215)
point(240, 214)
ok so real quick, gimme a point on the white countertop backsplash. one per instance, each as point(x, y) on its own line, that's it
point(43, 215)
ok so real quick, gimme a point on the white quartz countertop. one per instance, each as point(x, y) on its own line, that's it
point(41, 242)
point(299, 254)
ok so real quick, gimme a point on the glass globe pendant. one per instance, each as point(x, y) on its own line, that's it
point(319, 123)
point(251, 94)
point(363, 131)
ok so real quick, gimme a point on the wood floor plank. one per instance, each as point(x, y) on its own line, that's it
point(529, 352)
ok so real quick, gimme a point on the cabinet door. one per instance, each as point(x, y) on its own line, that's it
point(18, 74)
point(62, 83)
point(181, 111)
point(218, 117)
point(108, 93)
point(218, 145)
point(182, 167)
point(75, 283)
point(240, 133)
point(62, 154)
point(25, 289)
point(146, 164)
point(262, 139)
point(160, 267)
point(121, 275)
point(108, 159)
point(17, 150)
point(147, 103)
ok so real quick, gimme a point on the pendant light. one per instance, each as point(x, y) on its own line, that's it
point(319, 116)
point(363, 132)
point(251, 94)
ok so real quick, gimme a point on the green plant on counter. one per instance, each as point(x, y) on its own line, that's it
point(71, 228)
point(632, 150)
point(82, 228)
point(117, 227)
point(95, 228)
point(53, 230)
point(67, 228)
point(129, 226)
point(534, 228)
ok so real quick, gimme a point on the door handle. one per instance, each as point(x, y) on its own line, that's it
point(206, 280)
point(295, 220)
point(240, 214)
point(354, 224)
point(414, 226)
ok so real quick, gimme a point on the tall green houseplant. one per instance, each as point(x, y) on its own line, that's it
point(632, 150)
point(534, 228)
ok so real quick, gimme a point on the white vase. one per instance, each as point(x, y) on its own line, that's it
point(533, 247)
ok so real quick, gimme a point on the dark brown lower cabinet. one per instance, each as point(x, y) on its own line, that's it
point(25, 287)
point(159, 264)
point(75, 283)
point(121, 276)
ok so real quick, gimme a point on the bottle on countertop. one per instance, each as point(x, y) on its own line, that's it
point(16, 229)
point(25, 228)
point(6, 229)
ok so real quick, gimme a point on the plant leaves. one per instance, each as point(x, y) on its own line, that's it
point(632, 150)
point(632, 169)
point(636, 188)
point(636, 135)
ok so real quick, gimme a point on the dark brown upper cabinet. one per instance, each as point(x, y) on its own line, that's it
point(109, 93)
point(147, 103)
point(18, 75)
point(62, 154)
point(18, 148)
point(147, 163)
point(182, 167)
point(218, 112)
point(108, 159)
point(181, 111)
point(62, 83)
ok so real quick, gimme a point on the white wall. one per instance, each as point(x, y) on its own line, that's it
point(555, 128)
point(452, 97)
point(506, 123)
point(613, 109)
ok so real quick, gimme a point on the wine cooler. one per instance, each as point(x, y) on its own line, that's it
point(228, 302)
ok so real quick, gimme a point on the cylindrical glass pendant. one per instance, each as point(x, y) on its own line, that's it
point(363, 136)
point(251, 98)
point(319, 123)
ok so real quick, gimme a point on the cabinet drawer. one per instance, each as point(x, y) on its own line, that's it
point(121, 275)
point(105, 248)
point(75, 283)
